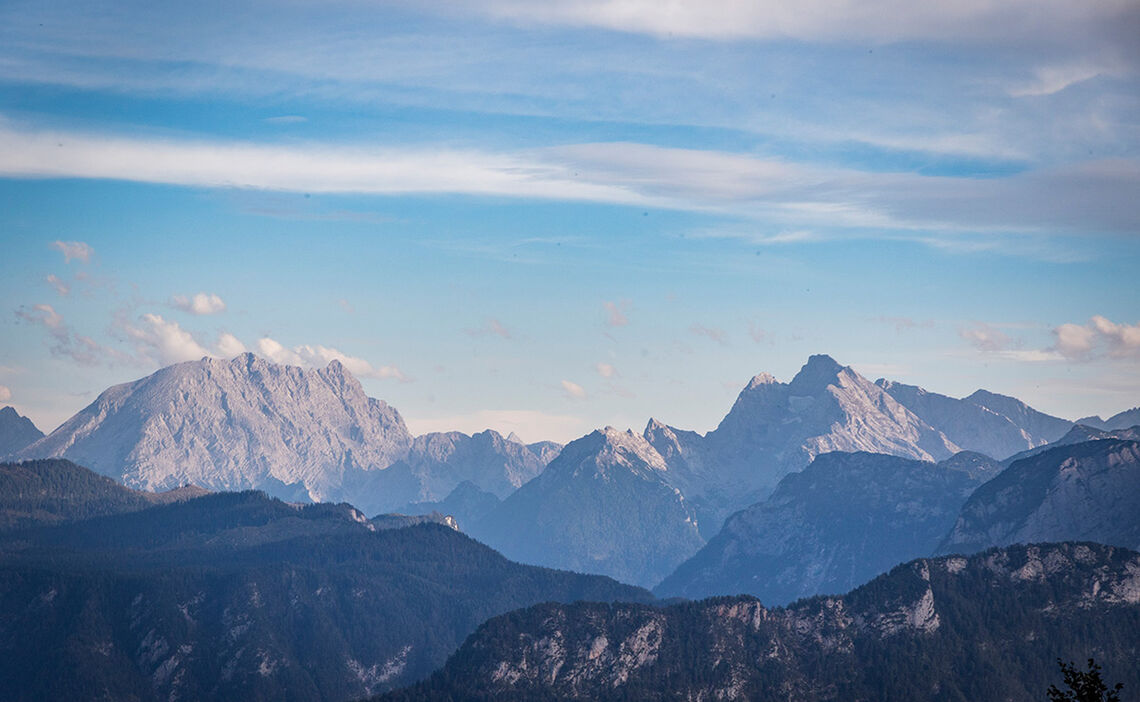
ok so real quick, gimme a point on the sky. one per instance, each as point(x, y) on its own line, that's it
point(547, 217)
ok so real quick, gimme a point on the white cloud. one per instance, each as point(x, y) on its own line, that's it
point(229, 345)
point(318, 168)
point(1049, 80)
point(320, 356)
point(200, 304)
point(60, 286)
point(616, 313)
point(1074, 340)
point(813, 20)
point(71, 250)
point(532, 424)
point(573, 390)
point(1100, 336)
point(164, 342)
point(5, 393)
point(605, 370)
point(793, 199)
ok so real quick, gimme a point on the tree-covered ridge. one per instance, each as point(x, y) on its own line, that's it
point(240, 596)
point(987, 627)
point(51, 491)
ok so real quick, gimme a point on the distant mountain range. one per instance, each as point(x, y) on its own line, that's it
point(987, 627)
point(237, 595)
point(630, 506)
point(850, 516)
point(605, 505)
point(841, 521)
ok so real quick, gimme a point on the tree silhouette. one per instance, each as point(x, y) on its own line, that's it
point(1083, 686)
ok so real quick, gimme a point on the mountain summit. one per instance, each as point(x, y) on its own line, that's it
point(16, 431)
point(236, 424)
point(776, 428)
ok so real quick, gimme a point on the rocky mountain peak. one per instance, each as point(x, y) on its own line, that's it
point(234, 424)
point(16, 431)
point(820, 371)
point(761, 379)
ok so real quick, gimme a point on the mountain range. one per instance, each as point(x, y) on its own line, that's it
point(165, 576)
point(301, 435)
point(987, 627)
point(844, 519)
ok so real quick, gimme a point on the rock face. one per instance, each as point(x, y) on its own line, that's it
point(776, 428)
point(243, 423)
point(1088, 491)
point(16, 432)
point(605, 505)
point(296, 434)
point(988, 627)
point(237, 596)
point(977, 427)
point(1034, 423)
point(844, 519)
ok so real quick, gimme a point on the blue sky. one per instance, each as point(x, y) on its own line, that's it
point(547, 217)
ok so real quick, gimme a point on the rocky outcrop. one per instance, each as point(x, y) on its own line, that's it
point(1087, 491)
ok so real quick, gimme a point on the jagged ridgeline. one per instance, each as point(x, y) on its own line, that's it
point(298, 434)
point(987, 627)
point(240, 596)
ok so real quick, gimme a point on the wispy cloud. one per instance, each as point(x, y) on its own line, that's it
point(616, 313)
point(60, 287)
point(796, 198)
point(606, 370)
point(490, 327)
point(827, 20)
point(716, 334)
point(71, 250)
point(987, 338)
point(5, 393)
point(314, 168)
point(63, 341)
point(573, 390)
